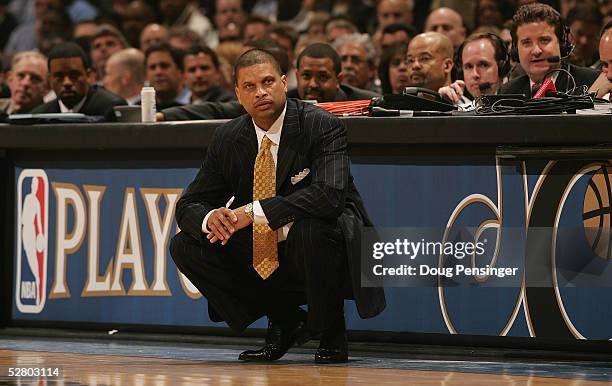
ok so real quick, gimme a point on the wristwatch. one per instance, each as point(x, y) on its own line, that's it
point(248, 210)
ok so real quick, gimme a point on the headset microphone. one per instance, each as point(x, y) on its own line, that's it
point(557, 58)
point(485, 86)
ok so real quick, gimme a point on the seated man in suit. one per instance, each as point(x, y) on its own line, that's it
point(203, 76)
point(124, 74)
point(359, 58)
point(482, 63)
point(320, 77)
point(430, 61)
point(540, 43)
point(293, 237)
point(68, 77)
point(27, 81)
point(164, 72)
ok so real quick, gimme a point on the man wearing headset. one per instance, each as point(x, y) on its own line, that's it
point(482, 64)
point(540, 43)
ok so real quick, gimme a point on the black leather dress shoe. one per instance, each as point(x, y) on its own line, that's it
point(333, 347)
point(279, 339)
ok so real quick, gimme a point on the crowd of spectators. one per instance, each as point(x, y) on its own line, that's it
point(330, 50)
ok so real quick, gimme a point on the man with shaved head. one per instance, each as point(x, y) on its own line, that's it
point(390, 12)
point(604, 85)
point(153, 34)
point(430, 61)
point(394, 11)
point(125, 74)
point(448, 22)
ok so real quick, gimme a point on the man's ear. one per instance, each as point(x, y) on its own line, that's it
point(340, 78)
point(127, 78)
point(92, 76)
point(237, 94)
point(284, 81)
point(448, 65)
point(9, 75)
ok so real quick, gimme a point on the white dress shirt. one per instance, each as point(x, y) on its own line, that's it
point(75, 109)
point(274, 135)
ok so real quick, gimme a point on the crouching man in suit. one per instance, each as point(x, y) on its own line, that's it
point(293, 237)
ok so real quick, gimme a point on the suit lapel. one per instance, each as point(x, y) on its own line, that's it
point(247, 141)
point(287, 147)
point(89, 101)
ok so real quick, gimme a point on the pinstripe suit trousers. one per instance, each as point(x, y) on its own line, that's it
point(313, 271)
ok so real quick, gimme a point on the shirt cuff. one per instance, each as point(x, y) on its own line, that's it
point(259, 217)
point(205, 222)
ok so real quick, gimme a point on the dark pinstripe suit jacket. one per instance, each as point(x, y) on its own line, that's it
point(311, 138)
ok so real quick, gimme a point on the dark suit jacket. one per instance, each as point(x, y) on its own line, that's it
point(217, 94)
point(346, 93)
point(311, 138)
point(233, 109)
point(583, 76)
point(204, 111)
point(98, 102)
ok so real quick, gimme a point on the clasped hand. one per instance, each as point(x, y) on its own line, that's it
point(224, 222)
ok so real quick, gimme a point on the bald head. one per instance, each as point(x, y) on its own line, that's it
point(153, 34)
point(394, 11)
point(605, 53)
point(430, 61)
point(436, 42)
point(125, 72)
point(448, 22)
point(130, 57)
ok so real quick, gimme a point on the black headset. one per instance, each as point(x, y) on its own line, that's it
point(563, 35)
point(501, 55)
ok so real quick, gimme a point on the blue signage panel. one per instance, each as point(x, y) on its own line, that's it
point(91, 246)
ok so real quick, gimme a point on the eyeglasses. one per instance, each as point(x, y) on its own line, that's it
point(423, 59)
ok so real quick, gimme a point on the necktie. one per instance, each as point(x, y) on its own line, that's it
point(265, 247)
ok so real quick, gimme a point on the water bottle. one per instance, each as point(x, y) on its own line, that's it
point(147, 104)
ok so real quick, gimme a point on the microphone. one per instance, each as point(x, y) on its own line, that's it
point(554, 59)
point(485, 86)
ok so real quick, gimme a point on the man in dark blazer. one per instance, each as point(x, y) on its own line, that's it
point(203, 75)
point(68, 77)
point(540, 42)
point(315, 217)
point(320, 77)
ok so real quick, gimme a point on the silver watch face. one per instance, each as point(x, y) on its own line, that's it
point(248, 208)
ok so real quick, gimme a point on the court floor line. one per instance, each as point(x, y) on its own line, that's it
point(597, 371)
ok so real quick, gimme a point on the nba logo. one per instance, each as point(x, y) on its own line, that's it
point(32, 241)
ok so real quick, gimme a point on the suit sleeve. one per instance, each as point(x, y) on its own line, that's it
point(206, 192)
point(325, 196)
point(204, 111)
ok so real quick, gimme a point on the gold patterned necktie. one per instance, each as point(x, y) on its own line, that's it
point(265, 247)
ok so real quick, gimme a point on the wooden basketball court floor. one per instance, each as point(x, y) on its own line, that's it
point(136, 363)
